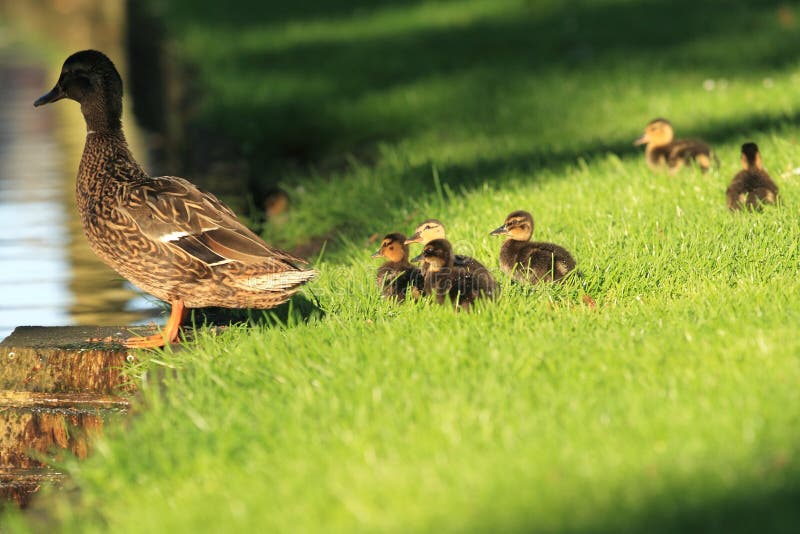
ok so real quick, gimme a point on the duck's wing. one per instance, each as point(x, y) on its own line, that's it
point(766, 182)
point(544, 261)
point(174, 212)
point(762, 189)
point(468, 262)
point(738, 183)
point(736, 194)
point(688, 148)
point(558, 252)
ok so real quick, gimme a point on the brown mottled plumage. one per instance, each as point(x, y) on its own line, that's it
point(528, 261)
point(662, 150)
point(396, 276)
point(446, 281)
point(163, 234)
point(752, 186)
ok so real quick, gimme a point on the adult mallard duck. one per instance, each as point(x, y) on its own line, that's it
point(751, 186)
point(165, 235)
point(663, 150)
point(396, 276)
point(446, 281)
point(528, 261)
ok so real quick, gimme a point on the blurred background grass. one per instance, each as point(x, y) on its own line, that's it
point(479, 89)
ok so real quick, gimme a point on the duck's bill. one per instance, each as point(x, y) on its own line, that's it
point(417, 258)
point(53, 96)
point(499, 231)
point(641, 141)
point(376, 254)
point(416, 238)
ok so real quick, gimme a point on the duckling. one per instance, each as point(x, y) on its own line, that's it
point(432, 229)
point(396, 276)
point(446, 281)
point(663, 150)
point(528, 261)
point(751, 186)
point(163, 234)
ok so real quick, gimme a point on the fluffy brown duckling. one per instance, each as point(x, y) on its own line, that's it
point(751, 186)
point(446, 281)
point(528, 261)
point(432, 229)
point(396, 276)
point(663, 150)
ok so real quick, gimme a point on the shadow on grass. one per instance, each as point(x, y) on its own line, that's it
point(307, 124)
point(366, 208)
point(297, 310)
point(773, 512)
point(320, 119)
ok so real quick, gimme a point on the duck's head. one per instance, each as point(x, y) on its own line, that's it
point(90, 78)
point(517, 226)
point(393, 248)
point(658, 132)
point(751, 157)
point(438, 254)
point(427, 231)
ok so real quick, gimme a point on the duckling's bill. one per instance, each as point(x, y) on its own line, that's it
point(415, 238)
point(502, 230)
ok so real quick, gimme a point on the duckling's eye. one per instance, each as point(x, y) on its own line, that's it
point(428, 227)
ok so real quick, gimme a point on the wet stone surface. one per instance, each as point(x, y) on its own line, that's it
point(57, 392)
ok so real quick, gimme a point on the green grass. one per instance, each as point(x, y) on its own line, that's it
point(671, 406)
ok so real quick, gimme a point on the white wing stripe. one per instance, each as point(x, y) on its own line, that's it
point(172, 236)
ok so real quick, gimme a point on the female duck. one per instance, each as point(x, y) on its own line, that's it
point(662, 150)
point(396, 276)
point(163, 234)
point(527, 261)
point(446, 281)
point(751, 186)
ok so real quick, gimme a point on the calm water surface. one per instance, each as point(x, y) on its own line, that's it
point(48, 275)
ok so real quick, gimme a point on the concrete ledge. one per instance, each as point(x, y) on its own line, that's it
point(57, 391)
point(60, 360)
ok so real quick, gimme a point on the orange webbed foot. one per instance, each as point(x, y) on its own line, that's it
point(168, 335)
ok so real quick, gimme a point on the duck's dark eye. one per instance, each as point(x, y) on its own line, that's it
point(428, 227)
point(78, 81)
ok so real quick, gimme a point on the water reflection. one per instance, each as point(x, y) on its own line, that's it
point(48, 274)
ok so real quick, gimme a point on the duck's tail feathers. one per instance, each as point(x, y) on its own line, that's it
point(279, 281)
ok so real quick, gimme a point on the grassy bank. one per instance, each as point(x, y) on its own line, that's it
point(670, 406)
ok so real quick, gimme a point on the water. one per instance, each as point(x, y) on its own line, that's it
point(48, 275)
